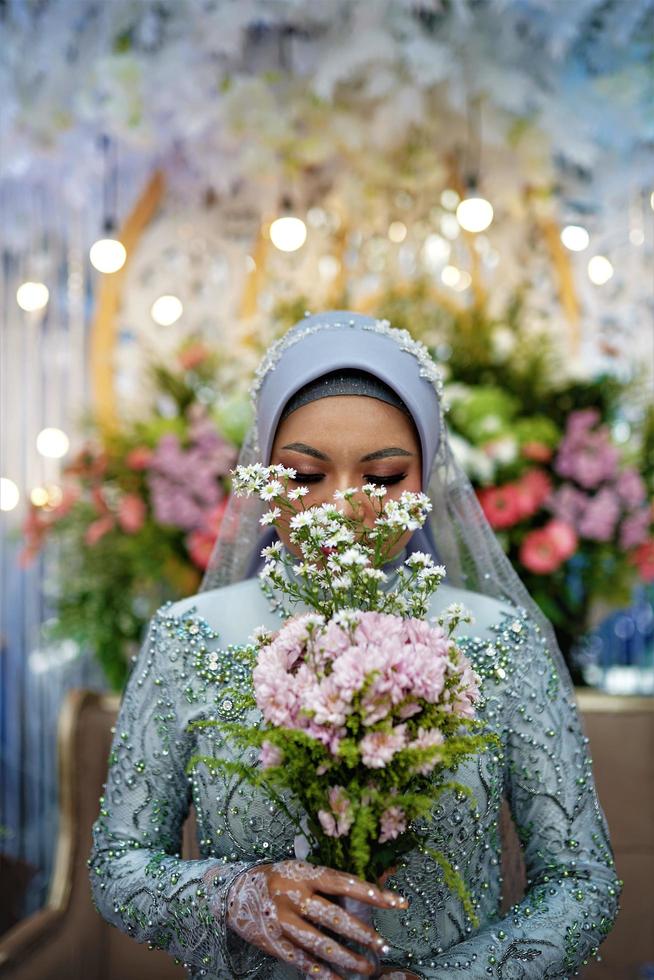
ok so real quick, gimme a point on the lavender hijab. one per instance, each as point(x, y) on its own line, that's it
point(351, 342)
point(354, 341)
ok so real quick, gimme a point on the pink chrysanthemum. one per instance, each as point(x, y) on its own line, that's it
point(392, 824)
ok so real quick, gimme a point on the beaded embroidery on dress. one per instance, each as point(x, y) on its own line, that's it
point(143, 886)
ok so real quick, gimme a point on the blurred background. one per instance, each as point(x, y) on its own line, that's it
point(180, 180)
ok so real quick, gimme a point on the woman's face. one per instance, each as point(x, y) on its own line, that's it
point(346, 441)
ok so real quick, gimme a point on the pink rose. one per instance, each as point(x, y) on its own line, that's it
point(131, 513)
point(97, 530)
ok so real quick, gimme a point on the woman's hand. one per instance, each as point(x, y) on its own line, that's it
point(278, 906)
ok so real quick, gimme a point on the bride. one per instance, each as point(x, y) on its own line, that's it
point(345, 400)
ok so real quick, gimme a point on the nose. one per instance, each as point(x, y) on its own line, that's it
point(359, 505)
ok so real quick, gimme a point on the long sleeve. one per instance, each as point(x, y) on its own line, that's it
point(572, 895)
point(139, 882)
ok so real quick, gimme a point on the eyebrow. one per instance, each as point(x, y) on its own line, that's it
point(384, 453)
point(301, 447)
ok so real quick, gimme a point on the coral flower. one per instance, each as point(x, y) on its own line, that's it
point(643, 559)
point(131, 513)
point(538, 553)
point(563, 537)
point(544, 550)
point(97, 530)
point(501, 505)
point(537, 486)
point(139, 458)
point(200, 542)
point(538, 452)
point(193, 355)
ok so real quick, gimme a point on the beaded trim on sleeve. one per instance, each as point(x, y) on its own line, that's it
point(402, 338)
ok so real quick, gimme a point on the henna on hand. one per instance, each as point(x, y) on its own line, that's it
point(276, 907)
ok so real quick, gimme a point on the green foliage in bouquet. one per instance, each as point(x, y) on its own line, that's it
point(138, 513)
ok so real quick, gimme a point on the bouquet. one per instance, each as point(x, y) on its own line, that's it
point(364, 708)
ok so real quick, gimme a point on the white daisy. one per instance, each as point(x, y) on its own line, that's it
point(271, 490)
point(270, 517)
point(297, 493)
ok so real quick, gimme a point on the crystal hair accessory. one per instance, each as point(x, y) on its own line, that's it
point(403, 339)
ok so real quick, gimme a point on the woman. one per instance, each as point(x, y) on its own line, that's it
point(345, 400)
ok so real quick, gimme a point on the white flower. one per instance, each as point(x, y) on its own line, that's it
point(270, 517)
point(503, 340)
point(503, 450)
point(372, 490)
point(419, 559)
point(269, 569)
point(342, 536)
point(249, 479)
point(353, 556)
point(297, 492)
point(474, 461)
point(347, 618)
point(345, 494)
point(329, 512)
point(342, 582)
point(455, 613)
point(272, 550)
point(411, 499)
point(261, 636)
point(307, 518)
point(271, 490)
point(397, 517)
point(282, 471)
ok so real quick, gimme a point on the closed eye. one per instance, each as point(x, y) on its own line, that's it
point(385, 481)
point(308, 478)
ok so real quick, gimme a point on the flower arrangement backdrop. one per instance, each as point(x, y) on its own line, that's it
point(479, 172)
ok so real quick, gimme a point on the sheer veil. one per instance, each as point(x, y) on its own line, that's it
point(465, 543)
